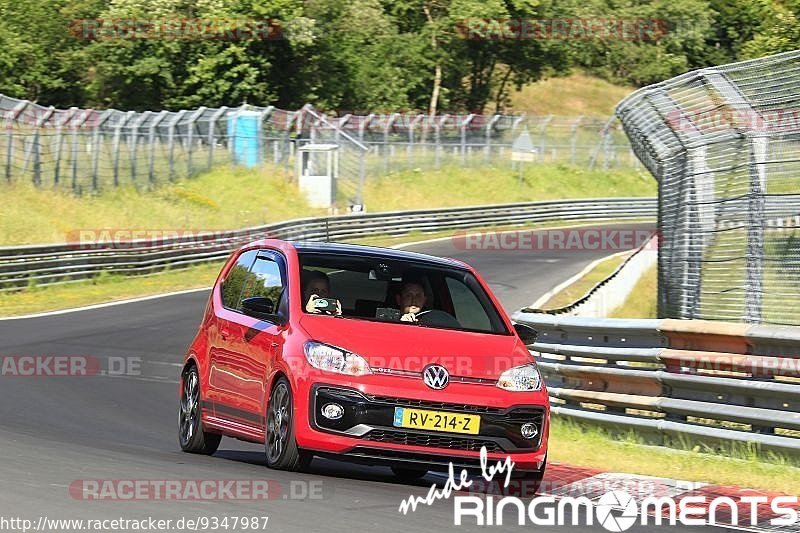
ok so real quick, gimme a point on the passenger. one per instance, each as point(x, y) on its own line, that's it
point(316, 285)
point(411, 299)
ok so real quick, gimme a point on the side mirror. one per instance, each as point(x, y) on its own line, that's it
point(526, 333)
point(258, 307)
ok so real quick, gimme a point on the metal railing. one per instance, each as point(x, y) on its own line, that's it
point(711, 381)
point(22, 266)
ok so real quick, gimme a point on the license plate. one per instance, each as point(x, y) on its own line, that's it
point(436, 421)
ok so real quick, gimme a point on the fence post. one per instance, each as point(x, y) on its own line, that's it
point(190, 138)
point(74, 149)
point(489, 129)
point(171, 142)
point(96, 146)
point(411, 126)
point(152, 145)
point(36, 148)
point(574, 140)
point(68, 115)
point(265, 115)
point(464, 124)
point(115, 143)
point(12, 116)
point(437, 128)
point(754, 262)
point(212, 140)
point(542, 131)
point(386, 128)
point(134, 142)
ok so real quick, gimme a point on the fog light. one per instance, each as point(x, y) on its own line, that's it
point(529, 431)
point(332, 411)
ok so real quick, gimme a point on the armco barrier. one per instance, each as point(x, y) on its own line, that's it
point(710, 381)
point(59, 263)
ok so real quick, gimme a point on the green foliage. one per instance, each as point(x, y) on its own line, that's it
point(360, 55)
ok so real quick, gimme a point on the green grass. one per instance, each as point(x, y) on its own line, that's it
point(642, 302)
point(105, 288)
point(581, 445)
point(229, 198)
point(581, 286)
point(225, 198)
point(574, 95)
point(457, 186)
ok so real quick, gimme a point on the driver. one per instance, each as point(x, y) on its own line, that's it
point(411, 299)
point(316, 285)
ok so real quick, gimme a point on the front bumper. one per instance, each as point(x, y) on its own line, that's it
point(366, 433)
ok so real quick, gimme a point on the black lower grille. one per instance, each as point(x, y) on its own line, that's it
point(459, 407)
point(428, 440)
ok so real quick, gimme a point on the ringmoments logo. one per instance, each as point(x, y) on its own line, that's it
point(614, 510)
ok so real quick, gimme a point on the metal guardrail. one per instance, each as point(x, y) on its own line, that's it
point(711, 381)
point(65, 262)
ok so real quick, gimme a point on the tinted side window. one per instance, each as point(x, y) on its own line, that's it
point(234, 281)
point(468, 309)
point(264, 279)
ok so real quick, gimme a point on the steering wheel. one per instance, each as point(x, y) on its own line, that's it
point(437, 317)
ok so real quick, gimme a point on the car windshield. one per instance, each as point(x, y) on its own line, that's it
point(392, 290)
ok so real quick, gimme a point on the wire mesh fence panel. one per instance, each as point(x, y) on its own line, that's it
point(724, 144)
point(88, 150)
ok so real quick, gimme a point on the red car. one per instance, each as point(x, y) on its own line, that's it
point(364, 354)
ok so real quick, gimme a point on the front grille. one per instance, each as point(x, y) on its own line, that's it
point(428, 440)
point(460, 407)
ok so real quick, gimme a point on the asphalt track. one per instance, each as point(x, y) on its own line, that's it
point(57, 430)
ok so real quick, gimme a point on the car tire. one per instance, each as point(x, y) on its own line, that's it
point(192, 437)
point(280, 444)
point(408, 474)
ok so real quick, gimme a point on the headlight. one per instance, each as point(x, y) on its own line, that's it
point(332, 359)
point(521, 378)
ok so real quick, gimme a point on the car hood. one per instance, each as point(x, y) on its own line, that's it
point(411, 348)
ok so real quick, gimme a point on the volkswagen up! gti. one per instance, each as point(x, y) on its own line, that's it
point(354, 371)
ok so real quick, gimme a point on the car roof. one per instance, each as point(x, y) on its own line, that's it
point(373, 251)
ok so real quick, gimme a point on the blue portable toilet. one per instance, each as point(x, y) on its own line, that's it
point(244, 131)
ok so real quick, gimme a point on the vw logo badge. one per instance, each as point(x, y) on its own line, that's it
point(436, 376)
